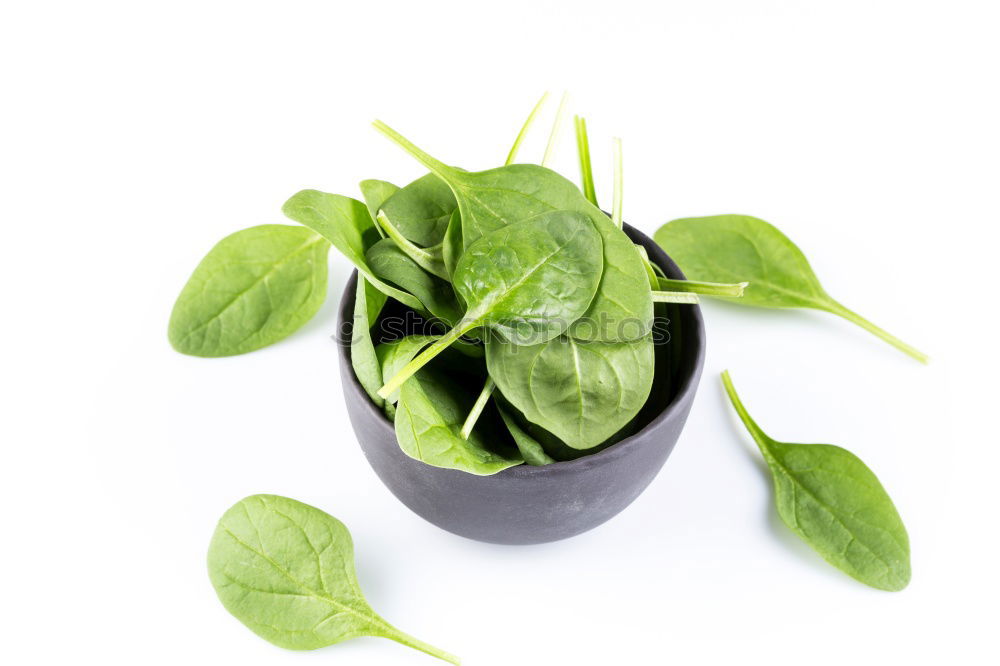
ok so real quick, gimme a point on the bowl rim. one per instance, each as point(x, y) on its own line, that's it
point(688, 384)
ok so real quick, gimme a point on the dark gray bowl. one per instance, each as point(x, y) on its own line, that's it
point(526, 504)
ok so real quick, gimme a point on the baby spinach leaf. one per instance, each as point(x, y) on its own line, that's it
point(431, 259)
point(252, 289)
point(490, 200)
point(393, 356)
point(534, 277)
point(368, 302)
point(286, 570)
point(375, 193)
point(452, 245)
point(582, 392)
point(429, 417)
point(733, 248)
point(421, 210)
point(391, 264)
point(345, 222)
point(827, 496)
point(530, 449)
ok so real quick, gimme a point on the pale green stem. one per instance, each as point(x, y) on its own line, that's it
point(550, 147)
point(437, 166)
point(583, 149)
point(616, 206)
point(429, 261)
point(685, 297)
point(417, 644)
point(425, 356)
point(477, 409)
point(851, 316)
point(704, 288)
point(759, 436)
point(512, 155)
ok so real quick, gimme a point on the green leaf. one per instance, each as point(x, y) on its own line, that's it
point(394, 355)
point(452, 246)
point(532, 452)
point(431, 259)
point(368, 302)
point(376, 193)
point(827, 496)
point(391, 264)
point(286, 570)
point(421, 210)
point(490, 200)
point(734, 248)
point(345, 222)
point(429, 418)
point(531, 278)
point(252, 289)
point(582, 392)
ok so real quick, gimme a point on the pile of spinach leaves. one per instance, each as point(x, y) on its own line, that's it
point(532, 340)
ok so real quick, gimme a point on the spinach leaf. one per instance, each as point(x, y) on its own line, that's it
point(732, 248)
point(582, 392)
point(391, 264)
point(286, 570)
point(375, 193)
point(532, 452)
point(421, 210)
point(490, 200)
point(429, 417)
point(252, 289)
point(345, 222)
point(431, 259)
point(393, 356)
point(452, 245)
point(368, 302)
point(534, 277)
point(827, 496)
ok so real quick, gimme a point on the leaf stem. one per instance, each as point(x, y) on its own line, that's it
point(425, 356)
point(759, 436)
point(685, 297)
point(430, 262)
point(704, 288)
point(437, 166)
point(512, 155)
point(556, 127)
point(851, 316)
point(410, 641)
point(583, 149)
point(616, 207)
point(477, 408)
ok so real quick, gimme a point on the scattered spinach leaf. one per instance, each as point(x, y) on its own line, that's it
point(252, 289)
point(827, 496)
point(732, 248)
point(286, 570)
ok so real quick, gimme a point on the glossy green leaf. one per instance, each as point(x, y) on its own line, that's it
point(827, 496)
point(376, 193)
point(286, 570)
point(452, 245)
point(394, 355)
point(368, 302)
point(734, 248)
point(422, 209)
point(252, 289)
point(582, 392)
point(431, 259)
point(490, 200)
point(429, 418)
point(532, 278)
point(391, 264)
point(345, 222)
point(531, 450)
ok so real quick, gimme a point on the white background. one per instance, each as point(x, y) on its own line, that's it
point(136, 135)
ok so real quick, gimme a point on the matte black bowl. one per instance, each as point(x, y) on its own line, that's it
point(532, 504)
